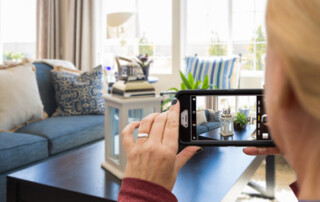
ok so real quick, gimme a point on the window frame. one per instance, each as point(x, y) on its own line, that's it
point(179, 39)
point(230, 40)
point(26, 46)
point(1, 43)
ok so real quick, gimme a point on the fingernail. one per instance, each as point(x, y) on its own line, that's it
point(199, 150)
point(174, 101)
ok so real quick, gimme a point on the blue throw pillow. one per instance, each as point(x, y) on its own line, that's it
point(79, 94)
point(213, 116)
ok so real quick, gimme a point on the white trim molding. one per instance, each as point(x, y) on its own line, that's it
point(1, 45)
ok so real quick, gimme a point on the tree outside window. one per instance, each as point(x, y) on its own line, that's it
point(218, 28)
point(259, 48)
point(216, 47)
point(145, 47)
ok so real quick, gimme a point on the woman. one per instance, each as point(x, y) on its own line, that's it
point(292, 97)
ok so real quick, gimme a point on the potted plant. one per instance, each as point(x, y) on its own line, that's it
point(144, 61)
point(240, 121)
point(187, 83)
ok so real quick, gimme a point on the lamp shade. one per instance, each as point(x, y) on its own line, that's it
point(119, 18)
point(121, 23)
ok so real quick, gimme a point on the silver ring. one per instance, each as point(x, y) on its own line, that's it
point(140, 135)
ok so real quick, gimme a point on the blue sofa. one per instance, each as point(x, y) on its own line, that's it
point(205, 127)
point(42, 139)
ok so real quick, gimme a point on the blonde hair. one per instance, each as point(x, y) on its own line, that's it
point(293, 28)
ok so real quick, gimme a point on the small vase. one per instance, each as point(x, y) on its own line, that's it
point(146, 71)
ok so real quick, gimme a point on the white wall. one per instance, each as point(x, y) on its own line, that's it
point(167, 81)
point(251, 79)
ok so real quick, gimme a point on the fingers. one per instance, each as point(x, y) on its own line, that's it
point(145, 126)
point(261, 151)
point(171, 130)
point(157, 128)
point(127, 134)
point(184, 156)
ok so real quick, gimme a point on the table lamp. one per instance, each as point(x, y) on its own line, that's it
point(117, 25)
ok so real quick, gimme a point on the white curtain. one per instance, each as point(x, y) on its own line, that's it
point(66, 30)
point(211, 102)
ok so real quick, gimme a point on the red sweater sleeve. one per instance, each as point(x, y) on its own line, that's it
point(294, 187)
point(134, 189)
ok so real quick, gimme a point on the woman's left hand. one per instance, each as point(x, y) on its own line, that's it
point(155, 158)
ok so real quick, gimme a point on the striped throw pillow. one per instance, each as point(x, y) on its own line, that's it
point(219, 69)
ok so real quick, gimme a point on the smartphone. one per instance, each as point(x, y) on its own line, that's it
point(223, 118)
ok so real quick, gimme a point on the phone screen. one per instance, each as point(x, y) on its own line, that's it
point(228, 118)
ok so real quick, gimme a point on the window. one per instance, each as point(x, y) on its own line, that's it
point(207, 27)
point(18, 29)
point(134, 27)
point(216, 27)
point(202, 27)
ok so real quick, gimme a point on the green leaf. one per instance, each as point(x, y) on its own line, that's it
point(215, 87)
point(241, 119)
point(173, 89)
point(196, 85)
point(205, 87)
point(185, 81)
point(183, 87)
point(190, 79)
point(168, 100)
point(205, 83)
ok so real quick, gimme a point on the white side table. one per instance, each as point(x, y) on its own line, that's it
point(118, 113)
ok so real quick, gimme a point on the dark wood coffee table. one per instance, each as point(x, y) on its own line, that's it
point(244, 134)
point(217, 173)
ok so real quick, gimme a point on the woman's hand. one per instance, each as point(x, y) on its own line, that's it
point(261, 150)
point(155, 158)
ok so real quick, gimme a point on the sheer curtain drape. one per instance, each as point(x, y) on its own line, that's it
point(66, 30)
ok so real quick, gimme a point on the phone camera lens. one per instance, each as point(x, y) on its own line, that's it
point(264, 119)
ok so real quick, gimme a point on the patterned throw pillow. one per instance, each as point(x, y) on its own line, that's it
point(213, 116)
point(79, 94)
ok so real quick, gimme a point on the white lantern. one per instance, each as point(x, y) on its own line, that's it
point(119, 112)
point(226, 125)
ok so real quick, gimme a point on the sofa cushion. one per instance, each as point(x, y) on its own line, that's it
point(201, 117)
point(65, 133)
point(45, 85)
point(202, 129)
point(214, 116)
point(213, 125)
point(19, 96)
point(192, 64)
point(79, 94)
point(219, 69)
point(18, 149)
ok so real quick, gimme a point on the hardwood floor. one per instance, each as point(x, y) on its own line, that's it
point(284, 176)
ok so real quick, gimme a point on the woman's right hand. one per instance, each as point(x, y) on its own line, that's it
point(155, 158)
point(261, 150)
